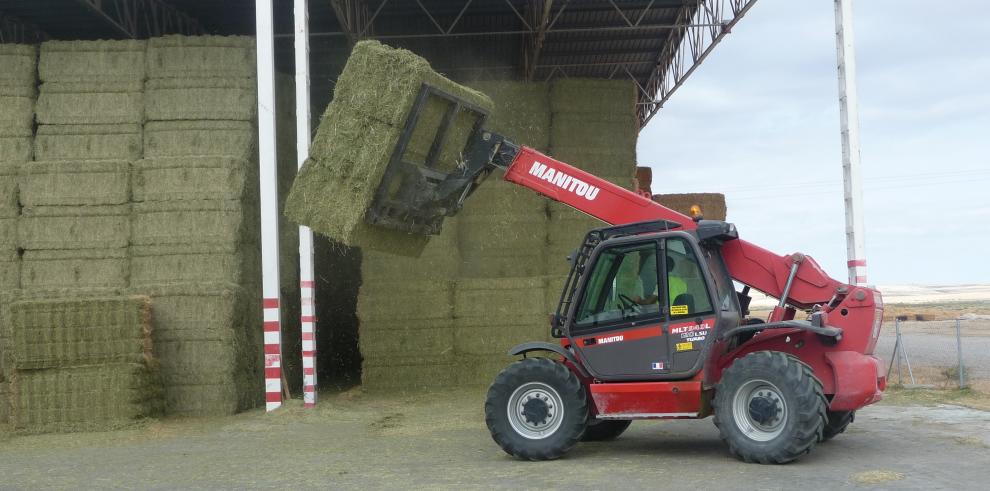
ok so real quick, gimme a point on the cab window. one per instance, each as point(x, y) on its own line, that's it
point(687, 290)
point(622, 286)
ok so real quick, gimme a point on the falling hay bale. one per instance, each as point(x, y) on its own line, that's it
point(201, 57)
point(233, 99)
point(74, 227)
point(88, 142)
point(74, 183)
point(209, 138)
point(76, 331)
point(104, 60)
point(355, 139)
point(193, 178)
point(91, 103)
point(85, 268)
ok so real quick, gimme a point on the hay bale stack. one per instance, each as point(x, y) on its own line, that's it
point(17, 99)
point(712, 204)
point(82, 364)
point(9, 211)
point(194, 246)
point(207, 337)
point(355, 141)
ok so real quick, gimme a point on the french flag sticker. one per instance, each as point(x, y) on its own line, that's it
point(657, 365)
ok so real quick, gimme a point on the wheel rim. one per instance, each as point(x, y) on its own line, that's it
point(759, 410)
point(535, 410)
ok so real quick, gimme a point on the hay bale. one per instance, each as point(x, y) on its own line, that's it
point(497, 299)
point(18, 62)
point(439, 260)
point(187, 138)
point(8, 190)
point(72, 332)
point(597, 133)
point(219, 222)
point(185, 362)
point(177, 56)
point(481, 370)
point(406, 300)
point(91, 103)
point(198, 311)
point(74, 227)
point(10, 275)
point(4, 402)
point(712, 204)
point(17, 106)
point(202, 400)
point(88, 142)
point(521, 112)
point(421, 338)
point(484, 337)
point(170, 99)
point(102, 60)
point(85, 268)
point(16, 148)
point(152, 265)
point(502, 245)
point(592, 96)
point(354, 142)
point(85, 398)
point(408, 373)
point(104, 182)
point(193, 178)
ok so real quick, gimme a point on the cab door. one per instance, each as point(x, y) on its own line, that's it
point(618, 326)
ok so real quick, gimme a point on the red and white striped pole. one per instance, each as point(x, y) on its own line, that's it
point(268, 178)
point(307, 284)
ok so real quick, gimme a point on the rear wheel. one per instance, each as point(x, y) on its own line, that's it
point(603, 430)
point(837, 423)
point(769, 408)
point(536, 409)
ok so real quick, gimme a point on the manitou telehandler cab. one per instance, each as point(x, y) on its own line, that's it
point(650, 323)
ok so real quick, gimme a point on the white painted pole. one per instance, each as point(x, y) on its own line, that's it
point(849, 121)
point(268, 177)
point(307, 284)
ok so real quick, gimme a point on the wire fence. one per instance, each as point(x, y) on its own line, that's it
point(937, 354)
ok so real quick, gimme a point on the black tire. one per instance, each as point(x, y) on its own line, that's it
point(769, 408)
point(837, 423)
point(604, 430)
point(525, 384)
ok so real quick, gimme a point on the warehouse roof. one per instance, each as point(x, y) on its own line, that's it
point(657, 43)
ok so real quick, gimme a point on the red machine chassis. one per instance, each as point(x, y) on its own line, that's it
point(851, 376)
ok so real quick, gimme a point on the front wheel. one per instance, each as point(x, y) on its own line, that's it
point(536, 409)
point(769, 408)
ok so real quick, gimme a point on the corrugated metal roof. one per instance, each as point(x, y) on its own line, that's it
point(464, 38)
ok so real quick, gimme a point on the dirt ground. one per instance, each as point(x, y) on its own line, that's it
point(439, 441)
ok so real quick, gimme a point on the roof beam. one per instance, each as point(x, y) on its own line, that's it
point(15, 30)
point(540, 10)
point(143, 18)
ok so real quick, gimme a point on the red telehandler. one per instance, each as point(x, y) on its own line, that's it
point(650, 323)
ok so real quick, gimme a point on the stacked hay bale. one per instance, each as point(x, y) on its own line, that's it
point(502, 236)
point(18, 82)
point(195, 239)
point(75, 227)
point(81, 364)
point(712, 204)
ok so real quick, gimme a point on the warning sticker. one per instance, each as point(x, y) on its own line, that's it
point(685, 346)
point(678, 310)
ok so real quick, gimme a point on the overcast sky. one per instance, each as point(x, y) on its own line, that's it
point(759, 121)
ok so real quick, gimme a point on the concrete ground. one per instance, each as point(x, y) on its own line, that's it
point(439, 441)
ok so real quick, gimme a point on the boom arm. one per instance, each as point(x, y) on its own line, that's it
point(747, 263)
